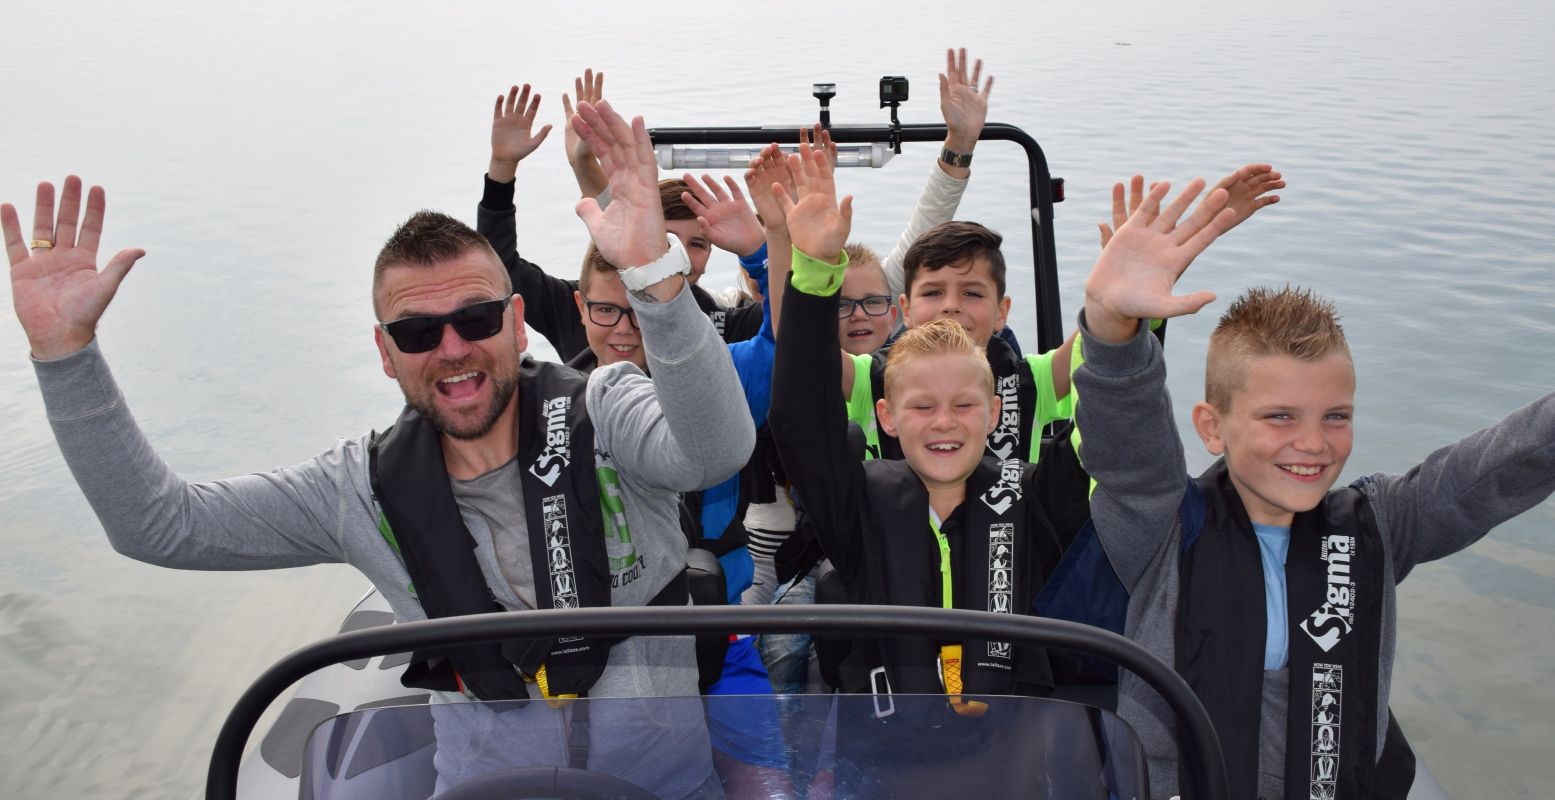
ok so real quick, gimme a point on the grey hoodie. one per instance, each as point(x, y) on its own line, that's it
point(1131, 448)
point(685, 429)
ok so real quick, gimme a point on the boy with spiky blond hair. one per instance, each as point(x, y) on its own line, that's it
point(1297, 685)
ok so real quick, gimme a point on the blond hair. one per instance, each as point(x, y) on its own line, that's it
point(934, 338)
point(862, 256)
point(1268, 322)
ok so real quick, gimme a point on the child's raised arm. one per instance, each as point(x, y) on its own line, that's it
point(548, 306)
point(809, 422)
point(1131, 445)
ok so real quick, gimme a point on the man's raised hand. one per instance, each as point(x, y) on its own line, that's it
point(1134, 277)
point(512, 123)
point(629, 232)
point(58, 291)
point(817, 223)
point(729, 221)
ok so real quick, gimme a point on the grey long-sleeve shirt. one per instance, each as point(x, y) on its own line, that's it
point(684, 429)
point(1131, 448)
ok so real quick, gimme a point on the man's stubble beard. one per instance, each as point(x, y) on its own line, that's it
point(504, 389)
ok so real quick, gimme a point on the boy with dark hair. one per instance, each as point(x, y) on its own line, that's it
point(1297, 686)
point(955, 271)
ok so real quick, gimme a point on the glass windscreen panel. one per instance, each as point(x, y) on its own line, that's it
point(766, 746)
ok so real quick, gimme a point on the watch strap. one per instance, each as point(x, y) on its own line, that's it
point(673, 262)
point(955, 159)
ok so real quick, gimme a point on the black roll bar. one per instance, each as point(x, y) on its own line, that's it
point(1206, 762)
point(1050, 329)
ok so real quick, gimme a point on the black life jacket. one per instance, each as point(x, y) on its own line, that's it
point(996, 555)
point(566, 540)
point(1333, 576)
point(1012, 437)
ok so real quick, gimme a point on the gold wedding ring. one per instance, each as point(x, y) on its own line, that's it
point(42, 244)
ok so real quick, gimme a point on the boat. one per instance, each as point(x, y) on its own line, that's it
point(850, 745)
point(351, 730)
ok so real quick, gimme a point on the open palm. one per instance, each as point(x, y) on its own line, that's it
point(1137, 271)
point(512, 126)
point(58, 292)
point(630, 231)
point(817, 223)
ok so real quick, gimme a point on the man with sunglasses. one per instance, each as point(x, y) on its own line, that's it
point(506, 483)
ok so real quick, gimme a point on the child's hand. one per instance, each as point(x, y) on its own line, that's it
point(591, 89)
point(512, 123)
point(768, 177)
point(728, 219)
point(817, 223)
point(963, 106)
point(1247, 187)
point(1136, 195)
point(1134, 277)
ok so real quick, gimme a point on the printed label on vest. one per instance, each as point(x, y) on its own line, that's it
point(1327, 696)
point(558, 549)
point(1002, 442)
point(718, 321)
point(1332, 620)
point(558, 441)
point(1006, 490)
point(1001, 578)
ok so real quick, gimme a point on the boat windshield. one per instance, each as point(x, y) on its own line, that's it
point(769, 746)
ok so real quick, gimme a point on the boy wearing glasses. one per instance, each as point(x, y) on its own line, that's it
point(489, 493)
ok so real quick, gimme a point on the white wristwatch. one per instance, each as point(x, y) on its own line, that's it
point(673, 262)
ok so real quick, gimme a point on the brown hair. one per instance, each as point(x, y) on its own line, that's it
point(669, 197)
point(593, 262)
point(1268, 322)
point(953, 244)
point(674, 208)
point(933, 338)
point(427, 239)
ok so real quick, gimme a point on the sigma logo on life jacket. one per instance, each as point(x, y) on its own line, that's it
point(1002, 442)
point(1006, 490)
point(558, 552)
point(558, 441)
point(1327, 700)
point(1001, 578)
point(1332, 620)
point(718, 321)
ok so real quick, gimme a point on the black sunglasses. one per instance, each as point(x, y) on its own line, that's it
point(473, 323)
point(873, 305)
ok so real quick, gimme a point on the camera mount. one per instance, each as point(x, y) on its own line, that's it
point(893, 93)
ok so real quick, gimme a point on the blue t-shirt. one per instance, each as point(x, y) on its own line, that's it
point(1273, 545)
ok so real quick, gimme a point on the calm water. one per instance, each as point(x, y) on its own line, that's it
point(261, 152)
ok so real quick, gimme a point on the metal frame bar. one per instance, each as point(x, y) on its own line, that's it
point(1050, 329)
point(1206, 761)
